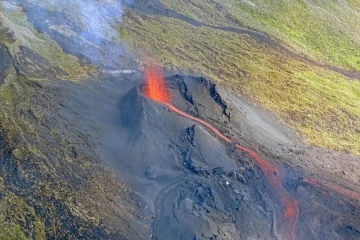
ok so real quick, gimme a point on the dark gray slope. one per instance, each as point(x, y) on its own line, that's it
point(184, 182)
point(5, 64)
point(180, 175)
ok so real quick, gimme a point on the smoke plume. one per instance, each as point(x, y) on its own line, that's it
point(83, 28)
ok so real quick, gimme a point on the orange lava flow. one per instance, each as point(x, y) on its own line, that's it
point(343, 191)
point(290, 206)
point(312, 181)
point(155, 89)
point(155, 84)
point(271, 173)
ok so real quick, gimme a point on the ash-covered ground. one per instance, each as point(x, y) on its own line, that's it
point(186, 183)
point(97, 159)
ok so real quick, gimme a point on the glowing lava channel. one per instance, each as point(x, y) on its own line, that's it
point(155, 89)
point(343, 191)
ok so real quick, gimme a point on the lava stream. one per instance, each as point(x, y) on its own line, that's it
point(155, 89)
point(272, 174)
point(343, 191)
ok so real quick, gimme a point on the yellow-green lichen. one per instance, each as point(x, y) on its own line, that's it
point(321, 105)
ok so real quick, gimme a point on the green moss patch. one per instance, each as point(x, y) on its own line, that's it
point(327, 31)
point(321, 105)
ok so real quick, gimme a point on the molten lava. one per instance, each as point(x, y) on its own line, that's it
point(155, 85)
point(345, 192)
point(155, 89)
point(290, 206)
point(271, 173)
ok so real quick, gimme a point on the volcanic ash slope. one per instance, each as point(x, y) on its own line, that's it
point(187, 183)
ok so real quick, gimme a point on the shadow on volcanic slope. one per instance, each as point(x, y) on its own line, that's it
point(178, 173)
point(185, 177)
point(184, 182)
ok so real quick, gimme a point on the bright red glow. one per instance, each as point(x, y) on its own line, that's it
point(155, 85)
point(214, 130)
point(290, 206)
point(272, 174)
point(156, 90)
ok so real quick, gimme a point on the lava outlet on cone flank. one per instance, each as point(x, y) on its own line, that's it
point(155, 89)
point(155, 85)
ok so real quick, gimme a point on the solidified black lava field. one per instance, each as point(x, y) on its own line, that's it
point(186, 183)
point(92, 157)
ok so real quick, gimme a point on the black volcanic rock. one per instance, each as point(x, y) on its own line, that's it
point(181, 181)
point(98, 160)
point(173, 165)
point(5, 63)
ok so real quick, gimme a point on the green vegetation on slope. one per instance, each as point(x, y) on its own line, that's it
point(15, 212)
point(46, 179)
point(354, 4)
point(321, 105)
point(324, 30)
point(17, 32)
point(52, 182)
